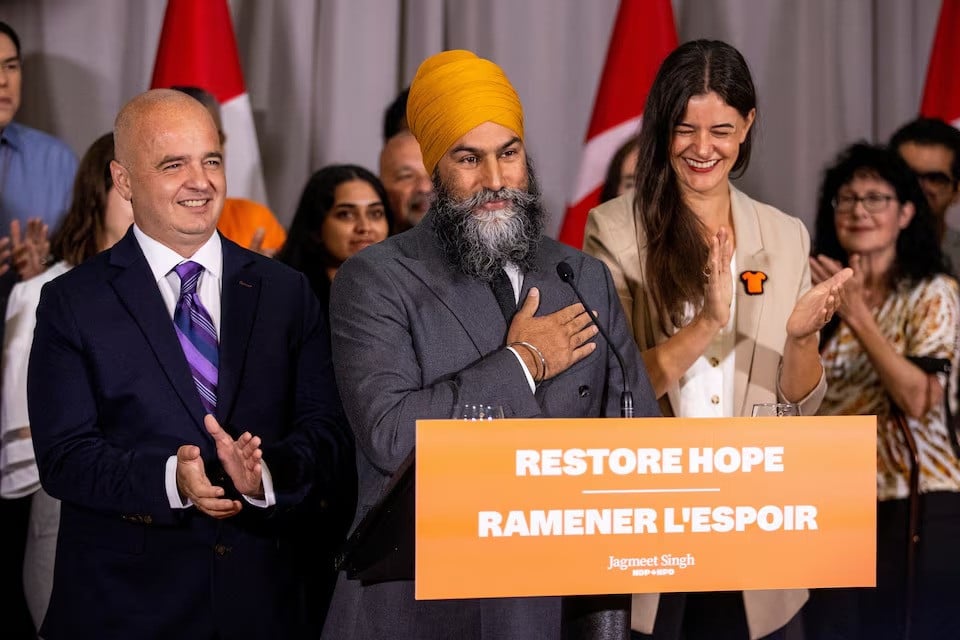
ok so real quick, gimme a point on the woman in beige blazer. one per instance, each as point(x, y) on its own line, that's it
point(678, 251)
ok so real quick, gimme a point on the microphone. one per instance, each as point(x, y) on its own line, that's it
point(565, 271)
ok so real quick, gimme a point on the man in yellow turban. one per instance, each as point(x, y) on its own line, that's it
point(466, 307)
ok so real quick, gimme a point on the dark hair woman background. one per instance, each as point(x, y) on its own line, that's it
point(873, 216)
point(343, 209)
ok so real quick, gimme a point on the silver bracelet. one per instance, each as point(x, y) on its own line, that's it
point(537, 353)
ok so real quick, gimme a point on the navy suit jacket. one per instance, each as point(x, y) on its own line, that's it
point(111, 398)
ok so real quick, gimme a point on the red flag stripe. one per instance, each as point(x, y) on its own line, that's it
point(642, 36)
point(941, 95)
point(197, 48)
point(596, 155)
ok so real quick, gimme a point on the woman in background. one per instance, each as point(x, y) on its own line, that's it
point(678, 251)
point(900, 303)
point(343, 209)
point(98, 217)
point(622, 170)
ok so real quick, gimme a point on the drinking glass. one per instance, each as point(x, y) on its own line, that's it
point(472, 411)
point(775, 409)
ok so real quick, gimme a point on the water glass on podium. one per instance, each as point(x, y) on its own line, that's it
point(472, 411)
point(775, 409)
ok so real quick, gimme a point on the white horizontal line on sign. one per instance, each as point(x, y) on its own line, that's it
point(701, 490)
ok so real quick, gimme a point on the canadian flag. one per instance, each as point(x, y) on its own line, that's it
point(197, 48)
point(941, 95)
point(643, 34)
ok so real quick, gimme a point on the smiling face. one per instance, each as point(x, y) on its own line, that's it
point(488, 210)
point(706, 143)
point(170, 166)
point(487, 158)
point(356, 220)
point(870, 233)
point(10, 80)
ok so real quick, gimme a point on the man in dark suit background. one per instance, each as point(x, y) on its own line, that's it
point(183, 407)
point(426, 321)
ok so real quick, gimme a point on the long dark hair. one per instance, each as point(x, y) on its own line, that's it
point(83, 226)
point(677, 250)
point(303, 249)
point(918, 254)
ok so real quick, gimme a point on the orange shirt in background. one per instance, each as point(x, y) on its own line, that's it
point(241, 218)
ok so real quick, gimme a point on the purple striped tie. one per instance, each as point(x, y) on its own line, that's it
point(197, 335)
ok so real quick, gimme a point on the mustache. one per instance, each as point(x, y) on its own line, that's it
point(515, 198)
point(478, 241)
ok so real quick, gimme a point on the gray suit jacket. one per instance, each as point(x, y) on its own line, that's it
point(414, 339)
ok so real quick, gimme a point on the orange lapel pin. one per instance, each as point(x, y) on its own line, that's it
point(753, 282)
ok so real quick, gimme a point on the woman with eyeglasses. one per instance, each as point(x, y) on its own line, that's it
point(900, 303)
point(717, 290)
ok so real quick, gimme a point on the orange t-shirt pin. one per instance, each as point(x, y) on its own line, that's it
point(753, 282)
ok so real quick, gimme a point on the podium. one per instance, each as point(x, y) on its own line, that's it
point(584, 508)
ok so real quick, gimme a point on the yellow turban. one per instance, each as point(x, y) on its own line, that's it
point(453, 92)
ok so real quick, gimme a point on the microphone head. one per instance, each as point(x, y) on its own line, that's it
point(565, 271)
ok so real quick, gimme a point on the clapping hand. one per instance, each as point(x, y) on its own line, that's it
point(856, 299)
point(194, 485)
point(718, 293)
point(816, 307)
point(240, 458)
point(29, 252)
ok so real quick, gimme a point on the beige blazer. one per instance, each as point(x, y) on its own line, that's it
point(768, 241)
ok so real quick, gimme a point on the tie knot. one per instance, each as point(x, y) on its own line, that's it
point(189, 273)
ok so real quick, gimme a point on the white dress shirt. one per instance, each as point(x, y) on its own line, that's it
point(161, 260)
point(516, 279)
point(706, 388)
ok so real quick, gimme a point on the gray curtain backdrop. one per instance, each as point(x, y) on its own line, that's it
point(320, 73)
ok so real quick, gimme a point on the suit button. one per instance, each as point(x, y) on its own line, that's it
point(147, 519)
point(221, 549)
point(715, 399)
point(584, 391)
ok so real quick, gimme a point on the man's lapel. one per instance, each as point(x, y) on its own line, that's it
point(239, 297)
point(470, 301)
point(554, 294)
point(137, 291)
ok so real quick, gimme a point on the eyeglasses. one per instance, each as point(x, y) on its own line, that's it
point(872, 202)
point(936, 178)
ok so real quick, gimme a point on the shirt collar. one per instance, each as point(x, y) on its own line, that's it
point(11, 135)
point(163, 259)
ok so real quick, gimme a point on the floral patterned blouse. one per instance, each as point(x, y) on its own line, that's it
point(918, 320)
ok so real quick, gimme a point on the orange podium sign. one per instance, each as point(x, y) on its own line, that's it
point(634, 505)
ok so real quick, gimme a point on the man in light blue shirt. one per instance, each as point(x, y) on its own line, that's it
point(36, 169)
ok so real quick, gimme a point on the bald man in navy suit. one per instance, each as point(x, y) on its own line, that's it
point(183, 407)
